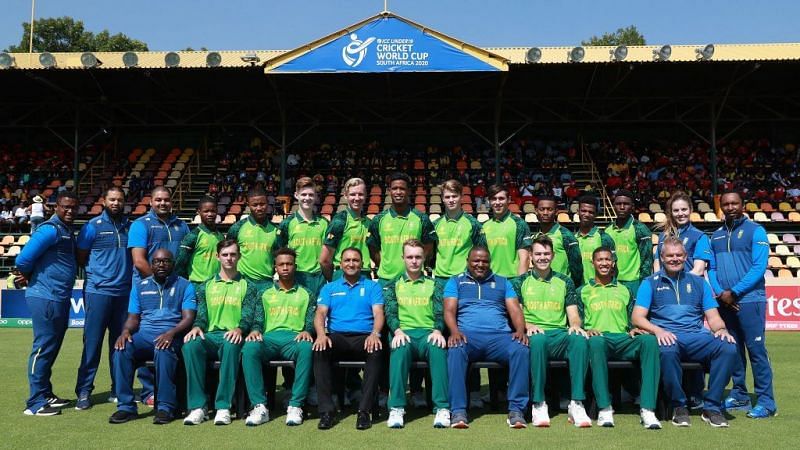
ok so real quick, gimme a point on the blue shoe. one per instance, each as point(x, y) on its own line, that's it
point(759, 412)
point(83, 403)
point(732, 404)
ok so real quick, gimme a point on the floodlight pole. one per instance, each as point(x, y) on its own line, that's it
point(30, 42)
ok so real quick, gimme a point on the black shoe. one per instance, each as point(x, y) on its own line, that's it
point(325, 421)
point(57, 402)
point(680, 417)
point(714, 418)
point(122, 417)
point(162, 417)
point(363, 422)
point(45, 410)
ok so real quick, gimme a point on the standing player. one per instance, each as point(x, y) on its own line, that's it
point(197, 259)
point(590, 237)
point(507, 236)
point(395, 225)
point(103, 250)
point(256, 236)
point(741, 251)
point(678, 223)
point(456, 234)
point(607, 307)
point(566, 252)
point(553, 322)
point(303, 232)
point(348, 228)
point(632, 242)
point(47, 267)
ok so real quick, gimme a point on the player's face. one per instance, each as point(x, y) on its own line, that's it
point(452, 201)
point(681, 212)
point(414, 257)
point(208, 214)
point(478, 263)
point(66, 208)
point(356, 196)
point(351, 263)
point(673, 258)
point(546, 211)
point(499, 203)
point(162, 263)
point(161, 203)
point(603, 263)
point(114, 202)
point(258, 207)
point(586, 214)
point(623, 206)
point(285, 267)
point(542, 256)
point(731, 205)
point(229, 257)
point(307, 197)
point(399, 192)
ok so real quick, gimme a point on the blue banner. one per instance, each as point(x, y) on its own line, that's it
point(14, 310)
point(387, 44)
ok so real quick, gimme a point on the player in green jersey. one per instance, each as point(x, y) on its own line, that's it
point(633, 242)
point(348, 228)
point(566, 252)
point(589, 236)
point(303, 232)
point(395, 225)
point(507, 236)
point(456, 233)
point(607, 307)
point(256, 236)
point(197, 256)
point(226, 306)
point(553, 322)
point(282, 327)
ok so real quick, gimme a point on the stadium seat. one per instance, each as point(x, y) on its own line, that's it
point(789, 238)
point(767, 207)
point(483, 217)
point(435, 199)
point(373, 199)
point(693, 217)
point(777, 216)
point(772, 238)
point(531, 218)
point(759, 216)
point(2, 250)
point(794, 216)
point(655, 208)
point(140, 210)
point(793, 262)
point(785, 207)
point(563, 218)
point(660, 217)
point(344, 207)
point(782, 250)
point(436, 190)
point(196, 219)
point(467, 199)
point(514, 208)
point(775, 263)
point(229, 219)
point(373, 209)
point(7, 240)
point(768, 274)
point(751, 207)
point(467, 208)
point(528, 208)
point(710, 217)
point(435, 208)
point(785, 273)
point(23, 239)
point(420, 200)
point(796, 249)
point(645, 218)
point(375, 190)
point(466, 190)
point(327, 209)
point(703, 207)
point(434, 217)
point(420, 207)
point(13, 251)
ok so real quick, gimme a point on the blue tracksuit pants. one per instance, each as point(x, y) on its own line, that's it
point(136, 353)
point(103, 312)
point(50, 320)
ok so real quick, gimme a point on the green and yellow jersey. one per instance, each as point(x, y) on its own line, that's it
point(606, 307)
point(347, 230)
point(197, 255)
point(305, 237)
point(387, 233)
point(566, 253)
point(545, 300)
point(455, 238)
point(634, 250)
point(256, 244)
point(588, 243)
point(413, 304)
point(285, 309)
point(223, 305)
point(504, 236)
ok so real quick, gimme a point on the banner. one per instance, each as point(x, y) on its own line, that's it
point(14, 312)
point(783, 305)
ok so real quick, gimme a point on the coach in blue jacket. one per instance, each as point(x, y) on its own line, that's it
point(47, 267)
point(741, 251)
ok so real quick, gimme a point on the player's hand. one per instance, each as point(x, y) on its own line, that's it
point(193, 334)
point(437, 339)
point(666, 338)
point(456, 339)
point(594, 332)
point(521, 337)
point(323, 342)
point(234, 336)
point(254, 336)
point(373, 343)
point(400, 339)
point(727, 299)
point(724, 336)
point(637, 331)
point(123, 338)
point(164, 340)
point(531, 329)
point(303, 336)
point(578, 330)
point(20, 280)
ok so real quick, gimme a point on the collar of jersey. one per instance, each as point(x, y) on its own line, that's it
point(168, 281)
point(169, 221)
point(205, 229)
point(407, 279)
point(627, 223)
point(218, 278)
point(353, 215)
point(546, 279)
point(393, 212)
point(593, 282)
point(343, 281)
point(489, 277)
point(252, 220)
point(123, 220)
point(589, 234)
point(501, 218)
point(456, 219)
point(277, 287)
point(314, 219)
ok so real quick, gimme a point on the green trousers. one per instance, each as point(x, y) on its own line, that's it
point(558, 344)
point(196, 354)
point(277, 345)
point(312, 281)
point(419, 349)
point(622, 347)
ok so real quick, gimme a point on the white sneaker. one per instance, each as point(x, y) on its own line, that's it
point(442, 419)
point(396, 418)
point(649, 419)
point(294, 416)
point(223, 417)
point(605, 417)
point(196, 417)
point(418, 400)
point(112, 399)
point(259, 415)
point(475, 400)
point(540, 415)
point(577, 415)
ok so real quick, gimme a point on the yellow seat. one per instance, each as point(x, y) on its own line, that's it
point(793, 262)
point(772, 238)
point(783, 250)
point(564, 218)
point(794, 216)
point(751, 207)
point(660, 217)
point(531, 218)
point(695, 217)
point(645, 218)
point(785, 273)
point(775, 263)
point(785, 207)
point(23, 239)
point(759, 216)
point(13, 251)
point(710, 217)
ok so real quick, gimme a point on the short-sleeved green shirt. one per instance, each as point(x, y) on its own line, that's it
point(413, 304)
point(256, 244)
point(197, 255)
point(305, 237)
point(347, 230)
point(504, 236)
point(389, 230)
point(634, 250)
point(455, 238)
point(606, 308)
point(545, 300)
point(566, 253)
point(283, 309)
point(588, 243)
point(223, 305)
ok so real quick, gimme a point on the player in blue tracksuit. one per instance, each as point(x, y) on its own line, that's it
point(47, 266)
point(103, 250)
point(159, 228)
point(741, 252)
point(161, 310)
point(671, 305)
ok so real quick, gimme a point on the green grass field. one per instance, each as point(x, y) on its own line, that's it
point(90, 429)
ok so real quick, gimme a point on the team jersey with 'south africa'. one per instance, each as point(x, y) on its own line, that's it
point(389, 230)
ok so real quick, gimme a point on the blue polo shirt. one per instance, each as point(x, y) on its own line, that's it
point(350, 306)
point(109, 269)
point(481, 303)
point(696, 243)
point(151, 233)
point(159, 305)
point(676, 305)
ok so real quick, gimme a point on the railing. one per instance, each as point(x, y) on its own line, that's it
point(608, 207)
point(184, 185)
point(99, 163)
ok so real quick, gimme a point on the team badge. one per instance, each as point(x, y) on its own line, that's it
point(739, 236)
point(688, 288)
point(362, 291)
point(685, 241)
